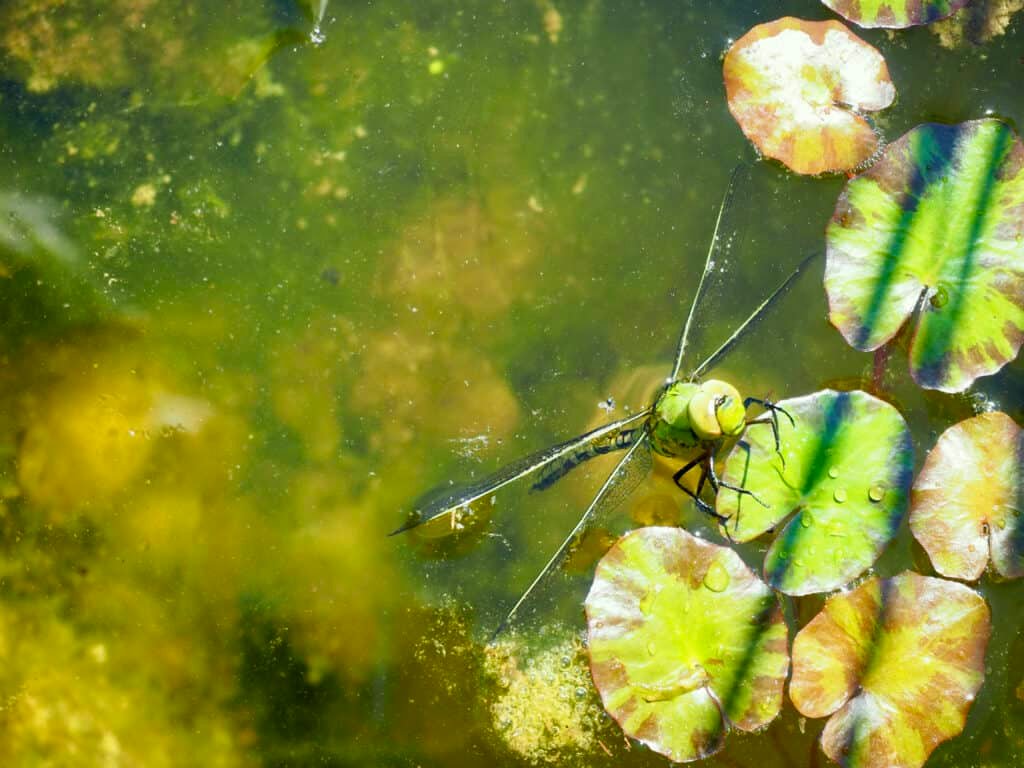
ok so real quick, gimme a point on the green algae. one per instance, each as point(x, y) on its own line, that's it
point(370, 273)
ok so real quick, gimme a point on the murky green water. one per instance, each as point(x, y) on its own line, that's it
point(297, 285)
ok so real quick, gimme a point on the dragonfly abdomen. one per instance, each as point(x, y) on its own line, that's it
point(618, 441)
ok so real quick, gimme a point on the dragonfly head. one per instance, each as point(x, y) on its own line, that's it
point(716, 410)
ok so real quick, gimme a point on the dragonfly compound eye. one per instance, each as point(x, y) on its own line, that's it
point(702, 415)
point(717, 410)
point(731, 415)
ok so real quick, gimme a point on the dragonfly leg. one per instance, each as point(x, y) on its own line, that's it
point(771, 407)
point(774, 424)
point(703, 462)
point(773, 411)
point(677, 478)
point(717, 482)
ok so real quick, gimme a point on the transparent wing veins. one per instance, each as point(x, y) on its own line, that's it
point(558, 460)
point(759, 312)
point(628, 473)
point(713, 248)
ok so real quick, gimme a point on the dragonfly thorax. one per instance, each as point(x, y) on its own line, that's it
point(687, 415)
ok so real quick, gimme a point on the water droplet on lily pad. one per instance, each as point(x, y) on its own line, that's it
point(717, 578)
point(847, 436)
point(681, 692)
point(876, 493)
point(940, 298)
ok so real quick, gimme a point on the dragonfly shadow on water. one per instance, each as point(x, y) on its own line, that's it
point(687, 420)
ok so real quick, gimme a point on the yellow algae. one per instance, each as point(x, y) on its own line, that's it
point(462, 254)
point(306, 374)
point(544, 706)
point(54, 43)
point(398, 381)
point(336, 623)
point(144, 196)
point(182, 538)
point(553, 23)
point(440, 672)
point(88, 440)
point(91, 418)
point(41, 36)
point(69, 699)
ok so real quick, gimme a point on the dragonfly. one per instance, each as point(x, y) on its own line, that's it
point(688, 418)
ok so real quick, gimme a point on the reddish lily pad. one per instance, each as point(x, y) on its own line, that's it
point(842, 478)
point(898, 661)
point(969, 499)
point(798, 88)
point(894, 14)
point(685, 641)
point(935, 230)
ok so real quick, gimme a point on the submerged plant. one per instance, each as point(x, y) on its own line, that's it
point(977, 23)
point(685, 641)
point(935, 232)
point(840, 483)
point(798, 90)
point(966, 503)
point(897, 663)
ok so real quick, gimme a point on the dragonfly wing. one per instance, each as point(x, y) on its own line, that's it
point(550, 464)
point(627, 475)
point(759, 312)
point(739, 173)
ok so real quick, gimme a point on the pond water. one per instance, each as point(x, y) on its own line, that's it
point(289, 265)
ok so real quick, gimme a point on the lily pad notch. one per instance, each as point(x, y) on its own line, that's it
point(933, 233)
point(967, 504)
point(685, 642)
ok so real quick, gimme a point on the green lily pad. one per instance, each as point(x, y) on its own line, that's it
point(898, 661)
point(799, 89)
point(936, 226)
point(894, 14)
point(685, 641)
point(842, 478)
point(969, 497)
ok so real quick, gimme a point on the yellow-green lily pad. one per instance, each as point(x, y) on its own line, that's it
point(894, 14)
point(840, 481)
point(798, 90)
point(969, 499)
point(685, 642)
point(935, 230)
point(898, 661)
